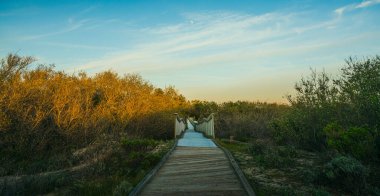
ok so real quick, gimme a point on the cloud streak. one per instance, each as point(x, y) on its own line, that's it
point(212, 38)
point(351, 7)
point(222, 54)
point(72, 26)
point(232, 48)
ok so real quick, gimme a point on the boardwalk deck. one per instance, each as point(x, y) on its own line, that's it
point(194, 170)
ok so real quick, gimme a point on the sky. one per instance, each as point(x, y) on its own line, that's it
point(213, 50)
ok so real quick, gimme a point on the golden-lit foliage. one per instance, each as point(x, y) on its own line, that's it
point(43, 108)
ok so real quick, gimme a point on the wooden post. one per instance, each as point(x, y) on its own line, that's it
point(175, 125)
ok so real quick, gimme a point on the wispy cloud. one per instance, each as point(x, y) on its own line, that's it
point(217, 55)
point(78, 46)
point(367, 3)
point(235, 49)
point(340, 11)
point(210, 38)
point(72, 26)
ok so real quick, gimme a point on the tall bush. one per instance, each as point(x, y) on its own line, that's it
point(43, 110)
point(346, 173)
point(357, 141)
point(351, 99)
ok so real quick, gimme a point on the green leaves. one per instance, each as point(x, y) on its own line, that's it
point(351, 99)
point(346, 173)
point(139, 145)
point(356, 141)
point(360, 87)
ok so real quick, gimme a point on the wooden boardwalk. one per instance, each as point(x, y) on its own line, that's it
point(196, 167)
point(195, 171)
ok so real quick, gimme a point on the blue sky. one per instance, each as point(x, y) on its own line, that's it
point(208, 49)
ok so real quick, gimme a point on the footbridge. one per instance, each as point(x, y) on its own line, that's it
point(196, 165)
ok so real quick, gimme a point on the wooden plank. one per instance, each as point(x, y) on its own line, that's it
point(202, 161)
point(238, 171)
point(137, 189)
point(196, 193)
point(195, 171)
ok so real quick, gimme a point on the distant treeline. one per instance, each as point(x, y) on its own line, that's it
point(241, 119)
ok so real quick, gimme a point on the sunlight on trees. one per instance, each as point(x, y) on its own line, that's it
point(43, 109)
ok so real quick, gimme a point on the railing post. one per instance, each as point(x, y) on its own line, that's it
point(213, 125)
point(206, 126)
point(175, 125)
point(179, 125)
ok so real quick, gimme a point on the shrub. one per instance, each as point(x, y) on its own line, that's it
point(240, 119)
point(43, 111)
point(139, 153)
point(150, 160)
point(320, 192)
point(123, 188)
point(287, 151)
point(138, 145)
point(158, 125)
point(360, 86)
point(356, 141)
point(257, 148)
point(351, 99)
point(373, 191)
point(346, 173)
point(309, 175)
point(275, 158)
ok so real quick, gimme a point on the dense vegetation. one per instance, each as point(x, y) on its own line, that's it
point(336, 118)
point(325, 141)
point(241, 119)
point(336, 112)
point(50, 120)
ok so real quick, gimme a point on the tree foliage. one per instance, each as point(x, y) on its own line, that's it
point(241, 119)
point(43, 109)
point(351, 100)
point(356, 141)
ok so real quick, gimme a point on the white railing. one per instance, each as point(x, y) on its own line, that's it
point(179, 126)
point(206, 126)
point(192, 122)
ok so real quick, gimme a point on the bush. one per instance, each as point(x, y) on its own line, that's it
point(138, 145)
point(139, 153)
point(150, 160)
point(241, 119)
point(346, 173)
point(356, 141)
point(373, 191)
point(351, 99)
point(257, 148)
point(275, 158)
point(158, 125)
point(43, 111)
point(123, 188)
point(320, 192)
point(309, 175)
